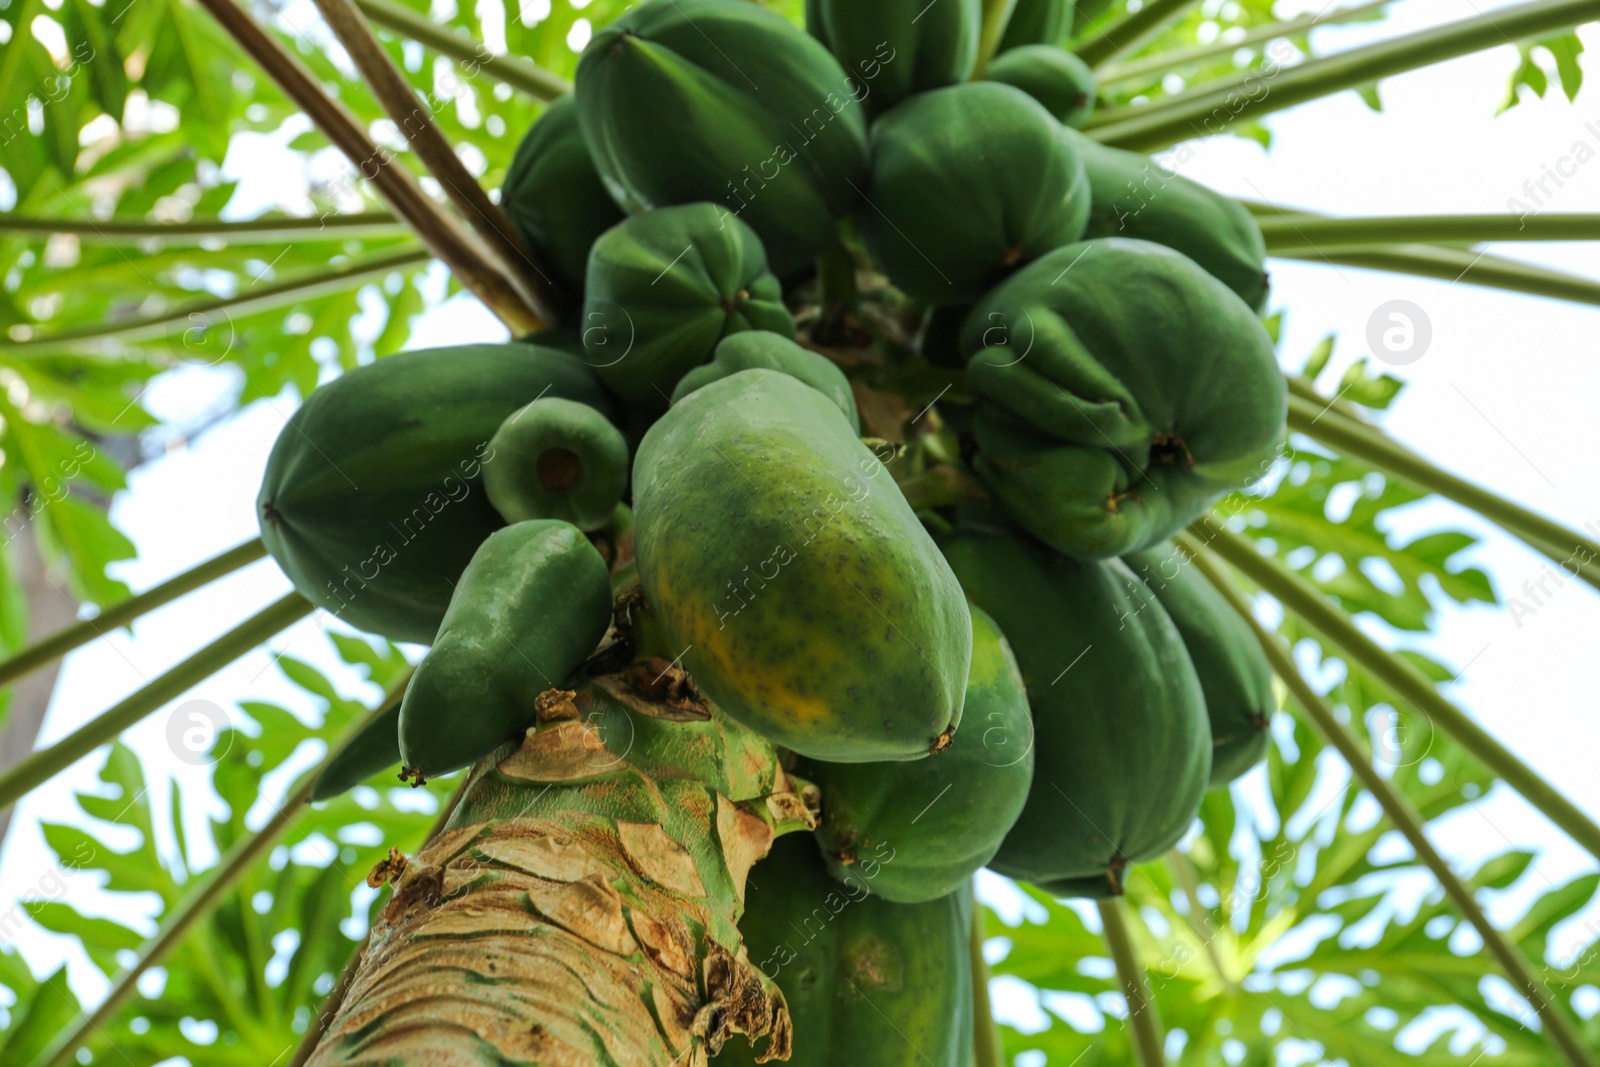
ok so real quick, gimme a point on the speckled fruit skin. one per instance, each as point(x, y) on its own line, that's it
point(868, 983)
point(779, 555)
point(1234, 672)
point(1122, 743)
point(945, 816)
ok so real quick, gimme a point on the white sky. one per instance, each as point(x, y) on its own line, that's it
point(1504, 396)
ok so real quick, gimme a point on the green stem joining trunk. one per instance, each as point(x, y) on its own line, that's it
point(986, 1048)
point(213, 315)
point(1144, 1025)
point(1292, 234)
point(1211, 109)
point(996, 14)
point(117, 615)
point(1124, 36)
point(1575, 553)
point(235, 231)
point(601, 862)
point(1405, 818)
point(1162, 62)
point(1325, 617)
point(46, 763)
point(519, 73)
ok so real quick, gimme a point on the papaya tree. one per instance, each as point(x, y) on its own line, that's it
point(891, 474)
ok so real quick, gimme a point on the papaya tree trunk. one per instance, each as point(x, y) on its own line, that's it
point(580, 907)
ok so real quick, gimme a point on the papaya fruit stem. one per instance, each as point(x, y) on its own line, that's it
point(1402, 815)
point(440, 232)
point(1312, 414)
point(58, 644)
point(1126, 35)
point(1144, 1024)
point(46, 763)
point(1325, 618)
point(1215, 106)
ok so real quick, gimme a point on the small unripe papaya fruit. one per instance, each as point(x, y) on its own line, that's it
point(945, 816)
point(893, 48)
point(556, 459)
point(1032, 22)
point(1056, 78)
point(664, 287)
point(968, 184)
point(529, 609)
point(758, 348)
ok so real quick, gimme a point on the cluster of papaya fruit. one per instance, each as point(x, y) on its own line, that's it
point(1023, 677)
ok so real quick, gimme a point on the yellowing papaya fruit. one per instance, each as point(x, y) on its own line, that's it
point(1123, 748)
point(1056, 78)
point(969, 183)
point(866, 981)
point(529, 609)
point(781, 559)
point(664, 287)
point(725, 101)
point(758, 348)
point(1134, 196)
point(1123, 389)
point(1047, 22)
point(1234, 673)
point(942, 817)
point(373, 500)
point(555, 198)
point(893, 48)
point(557, 459)
point(374, 748)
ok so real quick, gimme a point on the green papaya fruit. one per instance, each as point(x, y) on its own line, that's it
point(944, 816)
point(780, 557)
point(373, 501)
point(1056, 78)
point(1047, 22)
point(725, 101)
point(866, 981)
point(758, 348)
point(1122, 745)
point(375, 747)
point(893, 48)
point(664, 287)
point(1134, 196)
point(557, 459)
point(529, 609)
point(1234, 673)
point(1123, 389)
point(555, 198)
point(969, 183)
